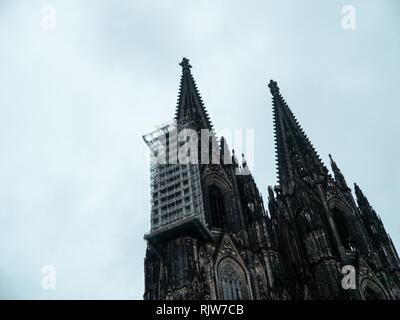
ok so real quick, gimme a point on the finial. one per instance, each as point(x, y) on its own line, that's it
point(185, 64)
point(338, 174)
point(358, 191)
point(330, 157)
point(273, 86)
point(234, 159)
point(244, 162)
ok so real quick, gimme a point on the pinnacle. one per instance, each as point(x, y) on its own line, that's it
point(294, 150)
point(190, 104)
point(185, 64)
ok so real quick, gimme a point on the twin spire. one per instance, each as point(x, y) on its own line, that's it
point(295, 155)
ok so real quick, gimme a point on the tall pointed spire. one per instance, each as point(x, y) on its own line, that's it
point(371, 218)
point(338, 174)
point(190, 105)
point(295, 155)
point(362, 200)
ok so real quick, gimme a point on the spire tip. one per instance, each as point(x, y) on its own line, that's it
point(185, 64)
point(273, 86)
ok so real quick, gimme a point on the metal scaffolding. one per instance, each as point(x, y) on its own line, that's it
point(175, 188)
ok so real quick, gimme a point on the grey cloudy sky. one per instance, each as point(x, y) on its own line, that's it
point(75, 102)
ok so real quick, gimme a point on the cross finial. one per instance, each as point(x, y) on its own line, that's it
point(273, 86)
point(185, 64)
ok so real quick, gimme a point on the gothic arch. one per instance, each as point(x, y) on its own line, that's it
point(228, 253)
point(217, 206)
point(232, 282)
point(342, 216)
point(291, 246)
point(216, 176)
point(338, 203)
point(217, 192)
point(371, 290)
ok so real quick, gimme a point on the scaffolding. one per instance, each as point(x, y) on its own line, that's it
point(175, 188)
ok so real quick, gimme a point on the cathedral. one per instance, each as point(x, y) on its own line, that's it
point(212, 237)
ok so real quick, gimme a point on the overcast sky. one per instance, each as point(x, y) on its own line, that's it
point(76, 100)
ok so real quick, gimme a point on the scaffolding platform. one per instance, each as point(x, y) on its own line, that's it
point(191, 226)
point(176, 193)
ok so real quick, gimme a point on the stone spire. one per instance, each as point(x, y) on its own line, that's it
point(295, 155)
point(190, 104)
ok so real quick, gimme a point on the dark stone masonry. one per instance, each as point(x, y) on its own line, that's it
point(294, 249)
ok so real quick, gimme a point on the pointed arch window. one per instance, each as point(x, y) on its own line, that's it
point(370, 290)
point(230, 283)
point(217, 206)
point(343, 229)
point(292, 249)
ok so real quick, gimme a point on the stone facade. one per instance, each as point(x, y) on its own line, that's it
point(294, 249)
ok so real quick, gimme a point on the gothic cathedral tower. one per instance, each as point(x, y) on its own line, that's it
point(212, 238)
